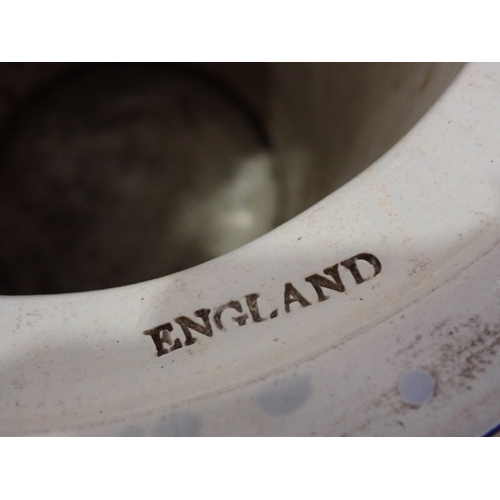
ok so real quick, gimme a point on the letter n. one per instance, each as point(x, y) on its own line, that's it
point(319, 282)
point(188, 324)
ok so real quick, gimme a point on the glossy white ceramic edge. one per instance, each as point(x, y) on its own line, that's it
point(429, 210)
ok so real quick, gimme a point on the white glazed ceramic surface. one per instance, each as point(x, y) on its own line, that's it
point(407, 349)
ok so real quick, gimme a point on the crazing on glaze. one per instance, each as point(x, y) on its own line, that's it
point(161, 334)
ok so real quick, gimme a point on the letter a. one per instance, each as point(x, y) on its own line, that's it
point(293, 295)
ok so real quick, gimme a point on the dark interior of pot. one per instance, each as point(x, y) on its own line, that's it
point(113, 174)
